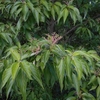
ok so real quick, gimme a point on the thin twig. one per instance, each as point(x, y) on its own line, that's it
point(72, 29)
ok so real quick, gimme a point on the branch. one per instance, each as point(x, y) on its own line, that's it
point(73, 28)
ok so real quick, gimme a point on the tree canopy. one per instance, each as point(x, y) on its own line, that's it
point(49, 49)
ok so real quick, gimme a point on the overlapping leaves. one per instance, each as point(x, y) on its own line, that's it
point(74, 65)
point(43, 59)
point(24, 9)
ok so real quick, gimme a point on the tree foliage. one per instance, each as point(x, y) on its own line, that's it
point(49, 49)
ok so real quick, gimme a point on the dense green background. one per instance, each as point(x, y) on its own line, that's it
point(49, 49)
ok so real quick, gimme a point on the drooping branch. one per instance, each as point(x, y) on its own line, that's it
point(72, 29)
point(75, 27)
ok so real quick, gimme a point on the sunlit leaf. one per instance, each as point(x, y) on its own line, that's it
point(26, 68)
point(6, 75)
point(53, 12)
point(78, 67)
point(15, 67)
point(65, 14)
point(15, 54)
point(45, 3)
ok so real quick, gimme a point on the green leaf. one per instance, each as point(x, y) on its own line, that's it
point(24, 56)
point(31, 6)
point(88, 96)
point(80, 52)
point(57, 9)
point(73, 16)
point(60, 15)
point(28, 36)
point(26, 68)
point(15, 67)
point(93, 87)
point(85, 67)
point(76, 84)
point(17, 42)
point(58, 4)
point(25, 11)
point(45, 3)
point(78, 67)
point(18, 12)
point(38, 58)
point(71, 98)
point(44, 58)
point(79, 18)
point(85, 54)
point(19, 23)
point(6, 75)
point(36, 15)
point(15, 54)
point(17, 3)
point(4, 36)
point(98, 91)
point(53, 12)
point(14, 8)
point(68, 67)
point(36, 74)
point(58, 50)
point(42, 18)
point(65, 15)
point(49, 75)
point(94, 55)
point(22, 83)
point(46, 14)
point(9, 86)
point(61, 72)
point(89, 33)
point(98, 79)
point(92, 79)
